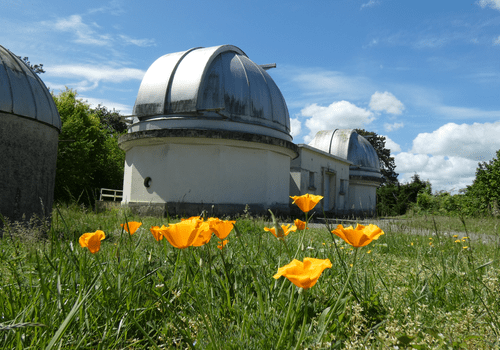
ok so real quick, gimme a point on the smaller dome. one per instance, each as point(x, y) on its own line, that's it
point(23, 93)
point(348, 144)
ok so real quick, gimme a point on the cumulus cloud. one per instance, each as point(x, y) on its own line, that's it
point(295, 127)
point(338, 115)
point(495, 4)
point(444, 173)
point(392, 127)
point(477, 142)
point(391, 145)
point(385, 101)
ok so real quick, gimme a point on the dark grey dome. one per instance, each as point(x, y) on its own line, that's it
point(348, 144)
point(23, 93)
point(211, 88)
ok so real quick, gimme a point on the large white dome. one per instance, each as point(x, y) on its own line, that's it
point(214, 88)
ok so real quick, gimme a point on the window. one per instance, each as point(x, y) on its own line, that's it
point(342, 186)
point(311, 181)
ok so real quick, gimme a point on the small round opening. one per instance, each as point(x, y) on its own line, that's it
point(147, 182)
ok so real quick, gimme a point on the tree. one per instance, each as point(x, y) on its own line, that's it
point(37, 68)
point(88, 156)
point(387, 164)
point(485, 190)
point(396, 198)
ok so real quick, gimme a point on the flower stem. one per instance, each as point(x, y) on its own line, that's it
point(287, 319)
point(304, 321)
point(332, 311)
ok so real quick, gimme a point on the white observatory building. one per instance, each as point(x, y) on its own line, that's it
point(211, 132)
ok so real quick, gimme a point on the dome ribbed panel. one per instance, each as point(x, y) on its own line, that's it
point(210, 84)
point(23, 93)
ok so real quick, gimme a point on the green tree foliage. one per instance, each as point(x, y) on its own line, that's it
point(484, 193)
point(395, 198)
point(37, 68)
point(387, 164)
point(88, 156)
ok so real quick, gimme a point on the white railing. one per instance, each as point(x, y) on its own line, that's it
point(108, 193)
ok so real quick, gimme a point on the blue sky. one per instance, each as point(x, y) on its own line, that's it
point(425, 74)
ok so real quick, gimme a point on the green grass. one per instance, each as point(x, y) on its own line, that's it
point(482, 225)
point(136, 293)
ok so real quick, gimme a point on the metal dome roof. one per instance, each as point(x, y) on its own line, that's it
point(211, 88)
point(23, 93)
point(348, 144)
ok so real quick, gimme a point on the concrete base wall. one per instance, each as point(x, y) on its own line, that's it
point(185, 175)
point(362, 198)
point(28, 154)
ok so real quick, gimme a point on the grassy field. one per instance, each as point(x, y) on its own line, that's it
point(429, 290)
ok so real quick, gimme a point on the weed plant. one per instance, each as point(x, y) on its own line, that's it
point(406, 291)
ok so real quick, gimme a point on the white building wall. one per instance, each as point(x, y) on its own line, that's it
point(205, 170)
point(320, 173)
point(362, 197)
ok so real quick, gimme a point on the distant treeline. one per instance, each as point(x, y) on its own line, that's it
point(482, 198)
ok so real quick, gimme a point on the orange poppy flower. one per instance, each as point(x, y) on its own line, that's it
point(221, 244)
point(156, 231)
point(182, 234)
point(304, 274)
point(205, 234)
point(300, 224)
point(285, 230)
point(359, 236)
point(306, 202)
point(92, 240)
point(131, 226)
point(221, 228)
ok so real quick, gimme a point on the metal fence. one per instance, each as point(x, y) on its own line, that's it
point(109, 193)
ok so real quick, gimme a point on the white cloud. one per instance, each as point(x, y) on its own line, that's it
point(444, 173)
point(492, 3)
point(496, 41)
point(114, 7)
point(110, 105)
point(322, 86)
point(386, 102)
point(295, 127)
point(391, 145)
point(96, 74)
point(84, 33)
point(392, 127)
point(370, 3)
point(464, 112)
point(338, 115)
point(138, 42)
point(88, 34)
point(477, 142)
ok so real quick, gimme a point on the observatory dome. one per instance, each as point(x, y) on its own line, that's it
point(213, 88)
point(28, 141)
point(22, 92)
point(348, 144)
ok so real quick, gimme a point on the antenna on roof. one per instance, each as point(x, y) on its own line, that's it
point(267, 66)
